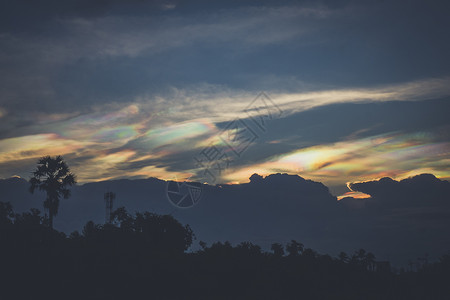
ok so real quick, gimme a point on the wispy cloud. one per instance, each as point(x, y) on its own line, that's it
point(222, 104)
point(393, 155)
point(33, 66)
point(114, 136)
point(25, 147)
point(243, 27)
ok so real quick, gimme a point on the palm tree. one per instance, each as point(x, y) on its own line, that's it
point(53, 176)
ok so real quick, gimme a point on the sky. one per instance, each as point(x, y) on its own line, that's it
point(338, 92)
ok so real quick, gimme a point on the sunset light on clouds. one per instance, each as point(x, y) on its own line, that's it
point(245, 146)
point(118, 104)
point(130, 142)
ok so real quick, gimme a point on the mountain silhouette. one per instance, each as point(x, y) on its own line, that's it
point(397, 223)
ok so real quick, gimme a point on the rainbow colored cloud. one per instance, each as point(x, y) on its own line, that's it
point(395, 155)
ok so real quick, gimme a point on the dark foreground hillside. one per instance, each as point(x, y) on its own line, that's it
point(144, 257)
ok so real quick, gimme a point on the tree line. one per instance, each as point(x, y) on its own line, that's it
point(146, 254)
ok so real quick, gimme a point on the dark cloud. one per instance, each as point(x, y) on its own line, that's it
point(423, 190)
point(28, 15)
point(134, 47)
point(344, 121)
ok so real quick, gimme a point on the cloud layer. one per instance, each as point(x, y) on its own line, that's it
point(131, 89)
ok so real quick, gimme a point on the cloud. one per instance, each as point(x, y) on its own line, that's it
point(328, 151)
point(410, 91)
point(118, 81)
point(424, 190)
point(395, 154)
point(37, 145)
point(83, 61)
point(133, 35)
point(86, 56)
point(203, 100)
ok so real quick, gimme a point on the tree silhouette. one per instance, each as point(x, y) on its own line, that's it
point(144, 251)
point(294, 248)
point(6, 213)
point(161, 233)
point(370, 261)
point(343, 257)
point(278, 249)
point(53, 176)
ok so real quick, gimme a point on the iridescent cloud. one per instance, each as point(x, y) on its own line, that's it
point(25, 147)
point(111, 138)
point(356, 195)
point(393, 155)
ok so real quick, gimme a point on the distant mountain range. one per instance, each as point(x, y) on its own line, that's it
point(401, 221)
